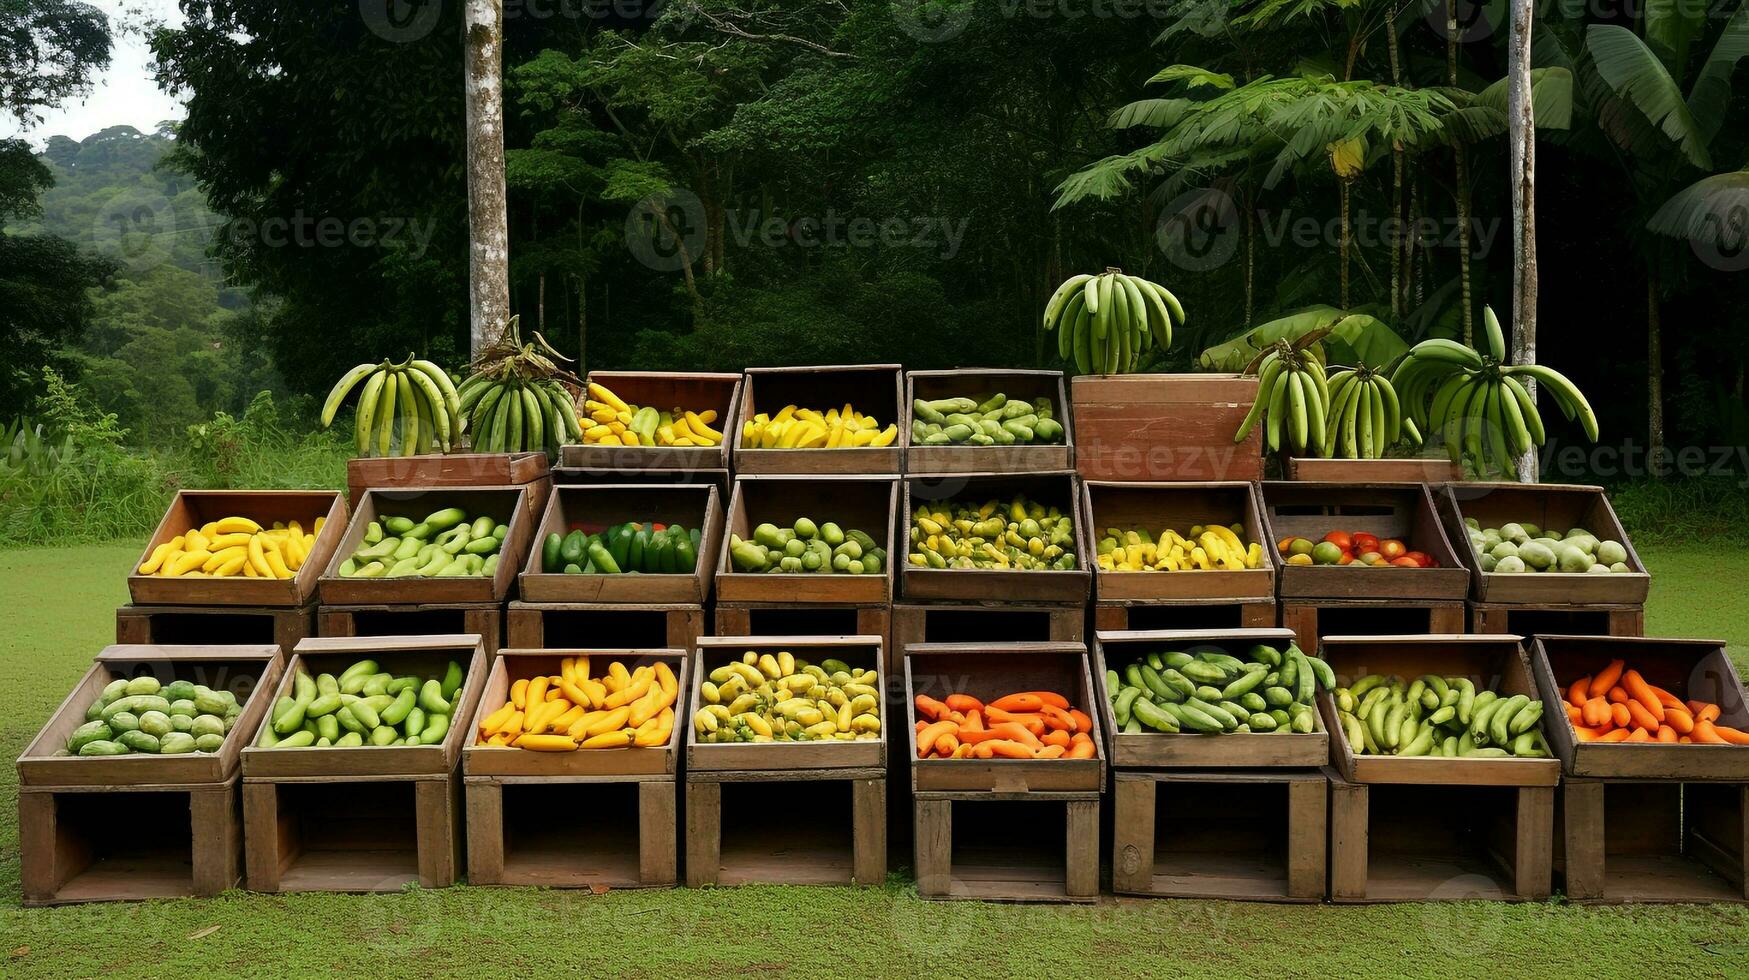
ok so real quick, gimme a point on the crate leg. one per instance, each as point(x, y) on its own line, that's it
point(1069, 625)
point(934, 842)
point(704, 833)
point(436, 802)
point(1533, 854)
point(1488, 620)
point(1110, 617)
point(263, 858)
point(684, 629)
point(1716, 832)
point(290, 626)
point(526, 629)
point(217, 838)
point(1627, 622)
point(46, 867)
point(1348, 839)
point(1448, 618)
point(485, 822)
point(868, 809)
point(1582, 837)
point(131, 627)
point(658, 855)
point(1132, 833)
point(732, 621)
point(1081, 870)
point(1308, 837)
point(1257, 615)
point(331, 623)
point(1302, 618)
point(489, 623)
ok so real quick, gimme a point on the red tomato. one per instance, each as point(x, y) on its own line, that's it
point(1364, 542)
point(1405, 561)
point(1347, 558)
point(1341, 539)
point(1392, 548)
point(1422, 559)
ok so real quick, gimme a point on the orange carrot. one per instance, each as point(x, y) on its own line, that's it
point(974, 722)
point(927, 737)
point(1589, 734)
point(1575, 714)
point(1707, 712)
point(1735, 736)
point(1606, 678)
point(1010, 731)
point(921, 724)
point(1685, 740)
point(1705, 733)
point(1665, 698)
point(1640, 691)
point(1642, 717)
point(947, 745)
point(1618, 695)
point(1614, 735)
point(969, 736)
point(1618, 713)
point(1004, 749)
point(1639, 735)
point(1579, 691)
point(1679, 719)
point(983, 751)
point(930, 707)
point(1031, 722)
point(1082, 722)
point(964, 703)
point(1056, 718)
point(1082, 749)
point(1695, 706)
point(1046, 697)
point(1018, 702)
point(1051, 752)
point(1597, 712)
point(963, 752)
point(1056, 736)
point(1666, 734)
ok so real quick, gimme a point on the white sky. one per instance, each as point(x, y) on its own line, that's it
point(124, 94)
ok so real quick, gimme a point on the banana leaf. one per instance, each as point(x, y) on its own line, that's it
point(1353, 337)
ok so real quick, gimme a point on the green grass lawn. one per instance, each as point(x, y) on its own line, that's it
point(62, 602)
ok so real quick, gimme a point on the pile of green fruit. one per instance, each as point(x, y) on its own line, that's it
point(1019, 535)
point(141, 715)
point(629, 547)
point(808, 547)
point(767, 697)
point(363, 706)
point(446, 544)
point(995, 421)
point(1511, 549)
point(1213, 692)
point(1438, 716)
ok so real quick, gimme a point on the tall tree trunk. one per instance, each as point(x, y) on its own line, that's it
point(1654, 371)
point(540, 301)
point(1397, 269)
point(1521, 124)
point(1344, 243)
point(582, 326)
point(1460, 176)
point(488, 225)
point(1250, 260)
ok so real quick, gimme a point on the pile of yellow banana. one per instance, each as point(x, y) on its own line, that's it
point(1205, 548)
point(807, 428)
point(609, 420)
point(235, 547)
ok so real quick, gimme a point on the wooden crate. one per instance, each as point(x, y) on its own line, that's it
point(872, 389)
point(631, 625)
point(180, 840)
point(1546, 505)
point(1492, 662)
point(595, 509)
point(625, 800)
point(864, 503)
point(988, 671)
point(241, 669)
point(1418, 842)
point(663, 390)
point(192, 508)
point(808, 619)
point(1002, 857)
point(986, 622)
point(507, 505)
point(1312, 619)
point(1653, 840)
point(1165, 427)
point(1151, 749)
point(734, 836)
point(1184, 614)
point(1535, 619)
point(569, 476)
point(484, 619)
point(183, 835)
point(1413, 469)
point(366, 819)
point(1699, 670)
point(441, 471)
point(714, 651)
point(1179, 506)
point(1227, 834)
point(1390, 510)
point(981, 383)
point(282, 626)
point(917, 582)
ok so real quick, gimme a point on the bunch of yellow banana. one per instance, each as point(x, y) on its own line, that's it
point(609, 420)
point(1205, 548)
point(807, 428)
point(235, 547)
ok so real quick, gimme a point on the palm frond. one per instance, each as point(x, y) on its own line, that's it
point(1192, 77)
point(1635, 74)
point(1671, 29)
point(1108, 178)
point(1710, 210)
point(1157, 113)
point(1709, 98)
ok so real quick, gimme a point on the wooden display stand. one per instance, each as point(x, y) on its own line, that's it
point(1531, 619)
point(872, 389)
point(415, 619)
point(1310, 619)
point(622, 802)
point(920, 583)
point(981, 383)
point(184, 835)
point(365, 819)
point(1223, 599)
point(434, 471)
point(965, 622)
point(193, 508)
point(1165, 427)
point(735, 841)
point(1651, 822)
point(1431, 827)
point(593, 510)
point(571, 476)
point(280, 625)
point(628, 625)
point(1413, 469)
point(663, 391)
point(1002, 860)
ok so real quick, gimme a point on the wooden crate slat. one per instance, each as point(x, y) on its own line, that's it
point(969, 383)
point(857, 651)
point(872, 389)
point(193, 508)
point(284, 626)
point(866, 504)
point(1414, 469)
point(663, 391)
point(1165, 427)
point(1309, 618)
point(1390, 510)
point(1007, 874)
point(918, 583)
point(1179, 506)
point(538, 625)
point(485, 619)
point(606, 505)
point(1546, 505)
point(506, 505)
point(63, 861)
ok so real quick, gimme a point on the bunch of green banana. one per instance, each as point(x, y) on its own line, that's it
point(1438, 716)
point(1365, 418)
point(404, 409)
point(1293, 396)
point(1109, 320)
point(1481, 404)
point(518, 414)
